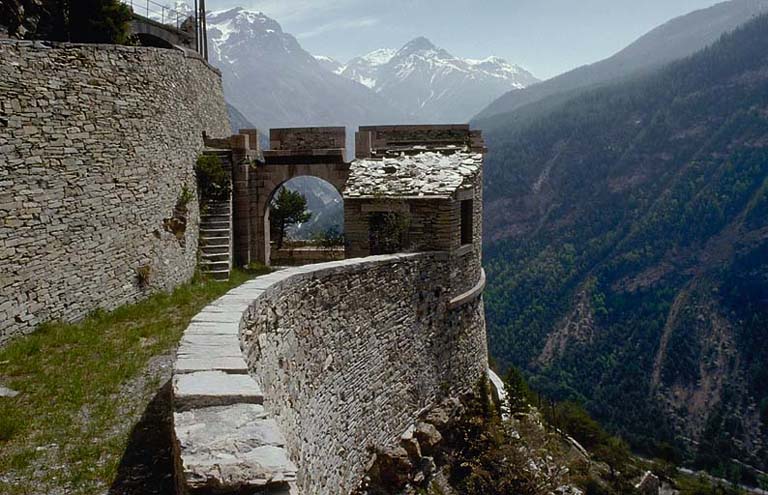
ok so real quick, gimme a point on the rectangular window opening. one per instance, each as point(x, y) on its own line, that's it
point(387, 232)
point(466, 222)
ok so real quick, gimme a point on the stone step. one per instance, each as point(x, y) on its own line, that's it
point(217, 204)
point(214, 218)
point(215, 257)
point(214, 388)
point(215, 225)
point(214, 232)
point(214, 266)
point(232, 449)
point(224, 249)
point(219, 211)
point(214, 241)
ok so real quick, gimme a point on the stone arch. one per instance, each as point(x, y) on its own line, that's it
point(150, 39)
point(270, 178)
point(159, 35)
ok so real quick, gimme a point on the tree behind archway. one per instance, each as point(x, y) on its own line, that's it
point(288, 208)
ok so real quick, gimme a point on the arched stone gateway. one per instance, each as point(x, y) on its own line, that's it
point(312, 152)
point(410, 188)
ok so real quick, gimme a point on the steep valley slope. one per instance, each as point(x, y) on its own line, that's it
point(627, 252)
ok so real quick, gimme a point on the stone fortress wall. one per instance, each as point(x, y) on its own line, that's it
point(96, 145)
point(347, 358)
point(297, 376)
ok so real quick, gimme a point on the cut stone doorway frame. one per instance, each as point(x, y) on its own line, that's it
point(270, 178)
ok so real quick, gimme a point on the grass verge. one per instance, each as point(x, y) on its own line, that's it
point(67, 427)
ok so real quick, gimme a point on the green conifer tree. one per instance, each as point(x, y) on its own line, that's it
point(288, 208)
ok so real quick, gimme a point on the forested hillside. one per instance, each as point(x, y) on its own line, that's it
point(627, 252)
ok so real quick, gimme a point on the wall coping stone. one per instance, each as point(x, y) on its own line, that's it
point(471, 294)
point(64, 45)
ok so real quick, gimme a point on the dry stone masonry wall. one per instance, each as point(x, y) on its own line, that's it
point(96, 145)
point(347, 356)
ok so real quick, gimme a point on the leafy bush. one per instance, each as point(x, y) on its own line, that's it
point(81, 21)
point(329, 239)
point(185, 197)
point(762, 481)
point(389, 232)
point(518, 394)
point(213, 180)
point(144, 276)
point(99, 21)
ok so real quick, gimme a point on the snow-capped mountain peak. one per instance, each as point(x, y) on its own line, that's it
point(231, 31)
point(274, 82)
point(330, 64)
point(364, 69)
point(380, 56)
point(430, 83)
point(419, 44)
point(498, 67)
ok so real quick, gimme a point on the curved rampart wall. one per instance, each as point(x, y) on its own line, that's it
point(348, 356)
point(96, 144)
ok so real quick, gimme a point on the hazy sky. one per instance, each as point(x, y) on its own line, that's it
point(545, 36)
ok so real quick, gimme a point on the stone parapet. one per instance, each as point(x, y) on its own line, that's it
point(341, 357)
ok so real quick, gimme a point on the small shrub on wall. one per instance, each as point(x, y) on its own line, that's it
point(144, 276)
point(330, 238)
point(213, 180)
point(177, 224)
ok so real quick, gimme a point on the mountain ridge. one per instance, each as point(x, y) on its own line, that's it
point(673, 40)
point(274, 82)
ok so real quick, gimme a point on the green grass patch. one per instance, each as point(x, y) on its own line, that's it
point(70, 376)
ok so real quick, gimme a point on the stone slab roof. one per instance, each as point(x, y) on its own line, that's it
point(423, 175)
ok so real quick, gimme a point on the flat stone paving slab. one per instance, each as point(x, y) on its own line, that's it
point(232, 447)
point(231, 365)
point(208, 339)
point(231, 328)
point(202, 350)
point(210, 316)
point(214, 388)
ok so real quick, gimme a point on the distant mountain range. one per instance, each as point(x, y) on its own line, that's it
point(273, 82)
point(676, 39)
point(430, 85)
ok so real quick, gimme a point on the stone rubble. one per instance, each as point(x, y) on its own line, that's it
point(7, 392)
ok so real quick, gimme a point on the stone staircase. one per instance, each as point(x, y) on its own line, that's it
point(216, 239)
